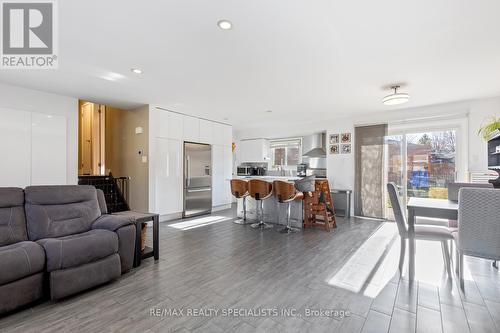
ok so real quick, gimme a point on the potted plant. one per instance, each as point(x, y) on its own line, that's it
point(490, 127)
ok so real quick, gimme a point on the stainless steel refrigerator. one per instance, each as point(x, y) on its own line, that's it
point(197, 179)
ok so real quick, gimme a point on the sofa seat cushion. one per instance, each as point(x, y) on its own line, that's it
point(20, 260)
point(75, 250)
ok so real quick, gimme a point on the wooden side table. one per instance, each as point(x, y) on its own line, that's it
point(138, 219)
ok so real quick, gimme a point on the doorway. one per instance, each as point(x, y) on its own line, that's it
point(92, 145)
point(421, 163)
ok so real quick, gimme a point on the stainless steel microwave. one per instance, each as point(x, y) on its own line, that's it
point(244, 170)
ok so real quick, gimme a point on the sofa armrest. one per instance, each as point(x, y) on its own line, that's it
point(112, 222)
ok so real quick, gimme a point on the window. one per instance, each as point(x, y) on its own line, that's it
point(285, 153)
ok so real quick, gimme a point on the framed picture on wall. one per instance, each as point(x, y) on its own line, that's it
point(346, 148)
point(334, 149)
point(334, 139)
point(345, 137)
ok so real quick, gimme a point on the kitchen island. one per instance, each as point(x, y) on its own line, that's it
point(274, 212)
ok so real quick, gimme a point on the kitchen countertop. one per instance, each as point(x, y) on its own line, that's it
point(270, 178)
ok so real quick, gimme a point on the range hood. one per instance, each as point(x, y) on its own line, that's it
point(314, 145)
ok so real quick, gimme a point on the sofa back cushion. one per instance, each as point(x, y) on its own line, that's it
point(62, 210)
point(12, 219)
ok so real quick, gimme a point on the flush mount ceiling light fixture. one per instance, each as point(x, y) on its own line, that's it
point(396, 98)
point(269, 111)
point(136, 70)
point(225, 24)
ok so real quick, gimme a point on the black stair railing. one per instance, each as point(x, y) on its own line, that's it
point(116, 190)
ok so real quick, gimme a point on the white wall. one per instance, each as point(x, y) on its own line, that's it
point(341, 167)
point(22, 99)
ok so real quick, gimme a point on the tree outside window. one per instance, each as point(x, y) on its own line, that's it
point(286, 153)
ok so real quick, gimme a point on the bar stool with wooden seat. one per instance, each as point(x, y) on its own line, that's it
point(260, 190)
point(286, 193)
point(239, 188)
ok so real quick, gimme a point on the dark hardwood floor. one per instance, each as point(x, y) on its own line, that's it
point(210, 263)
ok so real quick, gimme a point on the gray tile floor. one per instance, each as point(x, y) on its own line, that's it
point(212, 264)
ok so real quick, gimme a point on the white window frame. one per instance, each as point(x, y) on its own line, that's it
point(291, 141)
point(461, 128)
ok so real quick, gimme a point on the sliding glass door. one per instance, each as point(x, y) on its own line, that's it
point(421, 163)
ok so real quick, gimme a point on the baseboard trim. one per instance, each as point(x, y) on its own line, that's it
point(221, 207)
point(170, 217)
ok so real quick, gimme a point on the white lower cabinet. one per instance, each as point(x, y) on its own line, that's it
point(222, 172)
point(217, 175)
point(228, 174)
point(169, 176)
point(169, 131)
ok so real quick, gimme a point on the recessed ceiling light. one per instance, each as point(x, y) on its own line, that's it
point(396, 98)
point(269, 111)
point(225, 24)
point(136, 70)
point(225, 118)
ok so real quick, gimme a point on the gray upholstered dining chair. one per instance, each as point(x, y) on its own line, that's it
point(422, 232)
point(478, 232)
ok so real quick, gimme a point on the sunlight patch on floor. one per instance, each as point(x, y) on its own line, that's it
point(372, 266)
point(199, 222)
point(429, 263)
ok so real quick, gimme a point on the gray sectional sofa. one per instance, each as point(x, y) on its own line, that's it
point(22, 262)
point(58, 234)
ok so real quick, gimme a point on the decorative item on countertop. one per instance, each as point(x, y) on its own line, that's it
point(345, 148)
point(334, 149)
point(334, 138)
point(345, 137)
point(305, 184)
point(489, 128)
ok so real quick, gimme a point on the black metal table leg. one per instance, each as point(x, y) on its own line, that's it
point(137, 256)
point(156, 236)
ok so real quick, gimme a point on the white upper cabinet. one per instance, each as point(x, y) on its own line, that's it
point(206, 131)
point(172, 125)
point(222, 134)
point(48, 149)
point(256, 150)
point(191, 129)
point(227, 135)
point(169, 125)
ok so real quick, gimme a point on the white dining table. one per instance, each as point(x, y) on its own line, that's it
point(426, 207)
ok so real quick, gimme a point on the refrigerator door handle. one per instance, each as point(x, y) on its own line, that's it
point(188, 176)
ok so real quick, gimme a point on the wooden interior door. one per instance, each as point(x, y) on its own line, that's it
point(86, 144)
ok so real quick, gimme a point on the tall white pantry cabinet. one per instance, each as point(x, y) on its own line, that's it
point(33, 146)
point(169, 131)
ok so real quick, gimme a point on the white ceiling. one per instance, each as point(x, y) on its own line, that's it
point(301, 59)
